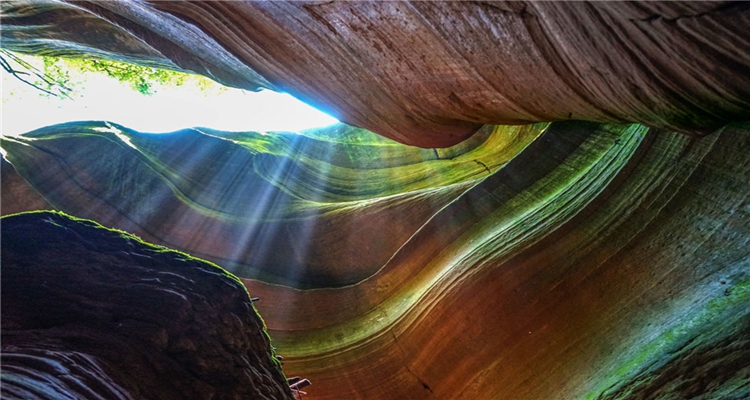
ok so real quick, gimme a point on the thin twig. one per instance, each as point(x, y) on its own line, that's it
point(52, 83)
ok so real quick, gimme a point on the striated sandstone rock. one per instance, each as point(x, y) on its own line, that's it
point(558, 260)
point(290, 200)
point(90, 313)
point(600, 261)
point(431, 73)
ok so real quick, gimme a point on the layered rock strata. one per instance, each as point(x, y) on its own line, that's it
point(92, 313)
point(275, 207)
point(431, 73)
point(612, 257)
point(594, 259)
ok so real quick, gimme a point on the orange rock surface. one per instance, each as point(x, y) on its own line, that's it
point(605, 257)
point(431, 73)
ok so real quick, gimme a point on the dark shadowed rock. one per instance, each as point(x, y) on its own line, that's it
point(93, 313)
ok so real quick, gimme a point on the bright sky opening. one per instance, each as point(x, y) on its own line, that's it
point(169, 109)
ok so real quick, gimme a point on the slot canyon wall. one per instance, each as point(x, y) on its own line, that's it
point(574, 222)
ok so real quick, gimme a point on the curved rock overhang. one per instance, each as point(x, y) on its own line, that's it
point(278, 207)
point(431, 73)
point(564, 260)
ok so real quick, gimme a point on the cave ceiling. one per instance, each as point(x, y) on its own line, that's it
point(526, 200)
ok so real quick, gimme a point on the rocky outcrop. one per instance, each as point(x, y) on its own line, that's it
point(612, 257)
point(565, 259)
point(90, 313)
point(431, 73)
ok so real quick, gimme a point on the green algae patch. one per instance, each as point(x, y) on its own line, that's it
point(715, 321)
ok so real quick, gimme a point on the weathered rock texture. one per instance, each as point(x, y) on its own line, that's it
point(431, 73)
point(290, 200)
point(557, 260)
point(612, 257)
point(92, 313)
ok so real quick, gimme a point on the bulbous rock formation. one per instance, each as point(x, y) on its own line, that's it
point(90, 312)
point(431, 73)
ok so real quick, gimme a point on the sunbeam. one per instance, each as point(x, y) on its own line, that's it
point(493, 199)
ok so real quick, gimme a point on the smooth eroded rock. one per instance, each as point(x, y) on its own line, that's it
point(431, 73)
point(599, 261)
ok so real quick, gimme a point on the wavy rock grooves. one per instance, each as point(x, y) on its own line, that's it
point(598, 254)
point(431, 73)
point(278, 207)
point(605, 258)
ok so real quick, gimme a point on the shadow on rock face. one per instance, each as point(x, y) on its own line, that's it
point(90, 312)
